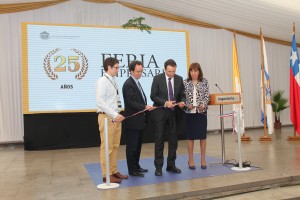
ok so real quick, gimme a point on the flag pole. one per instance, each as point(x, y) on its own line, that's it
point(295, 137)
point(240, 168)
point(265, 137)
point(244, 137)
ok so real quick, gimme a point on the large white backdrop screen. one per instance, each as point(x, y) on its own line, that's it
point(61, 63)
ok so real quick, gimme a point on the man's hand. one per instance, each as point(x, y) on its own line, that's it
point(181, 104)
point(149, 107)
point(119, 118)
point(170, 104)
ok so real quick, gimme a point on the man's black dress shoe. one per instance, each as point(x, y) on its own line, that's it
point(142, 170)
point(174, 169)
point(136, 174)
point(158, 172)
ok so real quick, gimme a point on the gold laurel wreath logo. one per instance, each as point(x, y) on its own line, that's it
point(84, 67)
point(47, 66)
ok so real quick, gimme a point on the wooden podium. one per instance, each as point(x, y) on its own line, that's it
point(224, 99)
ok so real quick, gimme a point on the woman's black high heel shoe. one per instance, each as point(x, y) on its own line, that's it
point(203, 166)
point(191, 166)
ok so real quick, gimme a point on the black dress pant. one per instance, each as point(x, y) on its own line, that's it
point(164, 122)
point(133, 149)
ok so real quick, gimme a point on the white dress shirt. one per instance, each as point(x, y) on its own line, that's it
point(194, 100)
point(107, 96)
point(140, 87)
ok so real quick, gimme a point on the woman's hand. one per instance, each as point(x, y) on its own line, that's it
point(191, 107)
point(201, 107)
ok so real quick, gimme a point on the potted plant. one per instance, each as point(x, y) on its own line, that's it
point(278, 105)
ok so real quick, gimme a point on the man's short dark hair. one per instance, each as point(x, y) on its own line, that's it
point(170, 62)
point(133, 64)
point(109, 62)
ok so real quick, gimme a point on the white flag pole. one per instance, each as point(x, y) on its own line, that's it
point(108, 184)
point(240, 168)
point(239, 142)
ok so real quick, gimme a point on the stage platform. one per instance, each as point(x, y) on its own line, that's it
point(61, 174)
point(214, 168)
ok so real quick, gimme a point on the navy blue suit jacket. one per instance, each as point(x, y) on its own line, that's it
point(134, 103)
point(159, 90)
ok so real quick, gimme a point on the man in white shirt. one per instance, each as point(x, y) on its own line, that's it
point(108, 106)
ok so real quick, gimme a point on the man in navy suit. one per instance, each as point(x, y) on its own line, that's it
point(167, 92)
point(135, 101)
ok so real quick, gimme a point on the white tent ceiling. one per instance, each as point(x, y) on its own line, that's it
point(275, 17)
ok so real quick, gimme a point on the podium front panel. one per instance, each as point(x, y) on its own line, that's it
point(225, 98)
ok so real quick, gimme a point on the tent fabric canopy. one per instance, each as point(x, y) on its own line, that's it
point(275, 17)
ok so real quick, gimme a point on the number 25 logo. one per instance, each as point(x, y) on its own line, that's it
point(71, 60)
point(73, 64)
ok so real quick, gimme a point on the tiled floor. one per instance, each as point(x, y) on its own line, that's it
point(60, 174)
point(273, 193)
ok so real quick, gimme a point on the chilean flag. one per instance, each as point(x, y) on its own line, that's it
point(295, 86)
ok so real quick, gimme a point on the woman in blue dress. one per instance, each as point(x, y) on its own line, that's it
point(197, 98)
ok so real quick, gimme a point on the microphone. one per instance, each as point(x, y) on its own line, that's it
point(219, 88)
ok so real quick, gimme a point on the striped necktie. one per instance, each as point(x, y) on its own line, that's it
point(142, 92)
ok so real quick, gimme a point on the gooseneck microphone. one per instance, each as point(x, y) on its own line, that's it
point(219, 88)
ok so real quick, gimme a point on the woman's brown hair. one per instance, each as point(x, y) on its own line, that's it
point(196, 67)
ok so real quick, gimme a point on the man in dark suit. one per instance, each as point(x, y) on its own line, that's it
point(167, 92)
point(135, 101)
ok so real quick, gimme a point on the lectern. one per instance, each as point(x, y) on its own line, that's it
point(224, 99)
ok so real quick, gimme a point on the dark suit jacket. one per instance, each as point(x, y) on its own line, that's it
point(134, 103)
point(159, 90)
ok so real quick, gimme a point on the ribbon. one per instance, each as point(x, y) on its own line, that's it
point(176, 104)
point(142, 111)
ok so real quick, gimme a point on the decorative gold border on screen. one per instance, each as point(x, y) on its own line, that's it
point(24, 34)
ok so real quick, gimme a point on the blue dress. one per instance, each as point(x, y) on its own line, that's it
point(196, 126)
